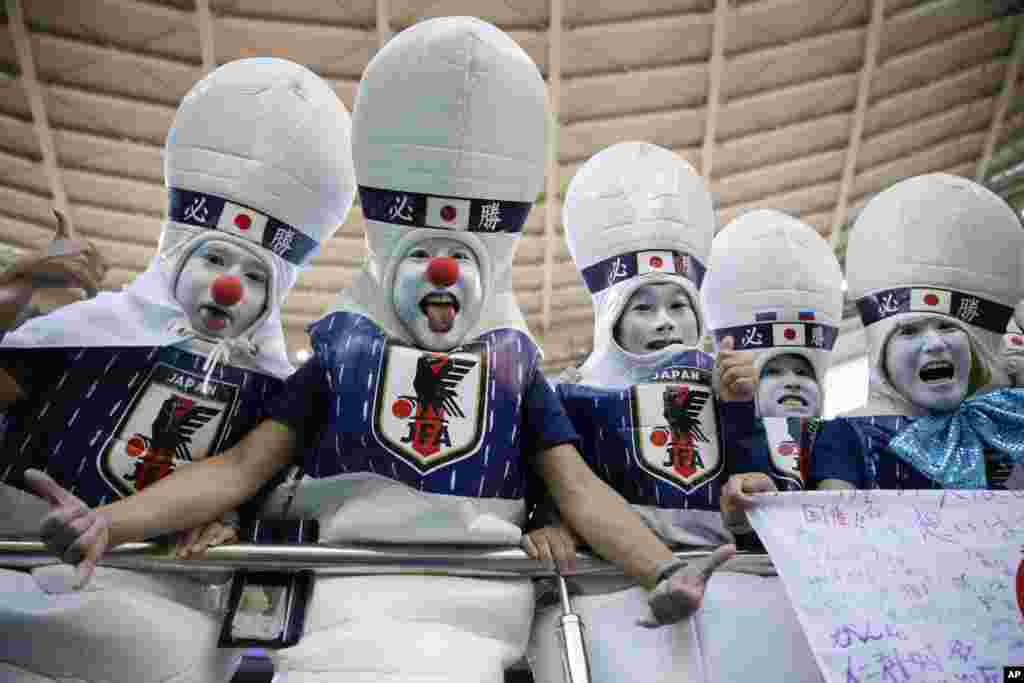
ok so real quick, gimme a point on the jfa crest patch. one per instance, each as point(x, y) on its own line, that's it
point(171, 422)
point(430, 407)
point(675, 428)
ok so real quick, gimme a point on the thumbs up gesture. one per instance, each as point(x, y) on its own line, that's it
point(72, 530)
point(65, 262)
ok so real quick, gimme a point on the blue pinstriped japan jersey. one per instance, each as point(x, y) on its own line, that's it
point(105, 422)
point(660, 443)
point(458, 422)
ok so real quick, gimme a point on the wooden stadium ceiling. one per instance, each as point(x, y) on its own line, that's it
point(808, 106)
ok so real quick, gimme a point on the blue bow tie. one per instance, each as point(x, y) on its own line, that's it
point(950, 448)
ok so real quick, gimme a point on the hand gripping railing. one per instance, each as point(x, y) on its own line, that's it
point(478, 562)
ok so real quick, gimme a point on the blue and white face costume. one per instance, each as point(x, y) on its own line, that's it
point(775, 287)
point(124, 389)
point(423, 433)
point(937, 256)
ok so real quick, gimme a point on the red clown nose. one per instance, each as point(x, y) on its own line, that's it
point(443, 271)
point(226, 290)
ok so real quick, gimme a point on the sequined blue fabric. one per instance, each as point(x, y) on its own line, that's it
point(950, 448)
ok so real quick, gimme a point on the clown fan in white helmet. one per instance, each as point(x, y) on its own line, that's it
point(647, 404)
point(119, 393)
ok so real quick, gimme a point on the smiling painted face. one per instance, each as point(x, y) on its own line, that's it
point(437, 283)
point(655, 316)
point(787, 388)
point(223, 289)
point(929, 362)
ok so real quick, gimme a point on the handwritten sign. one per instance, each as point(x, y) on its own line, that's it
point(903, 586)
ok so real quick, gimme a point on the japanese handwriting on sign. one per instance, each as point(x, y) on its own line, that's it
point(617, 272)
point(969, 309)
point(752, 337)
point(196, 211)
point(888, 304)
point(401, 209)
point(281, 244)
point(490, 216)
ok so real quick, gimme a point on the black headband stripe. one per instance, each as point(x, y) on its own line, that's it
point(446, 213)
point(799, 335)
point(217, 213)
point(621, 267)
point(971, 309)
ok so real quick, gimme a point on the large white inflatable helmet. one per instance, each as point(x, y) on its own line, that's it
point(635, 214)
point(256, 155)
point(775, 286)
point(448, 141)
point(943, 245)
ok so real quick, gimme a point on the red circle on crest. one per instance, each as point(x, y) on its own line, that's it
point(135, 447)
point(448, 213)
point(656, 262)
point(402, 408)
point(1017, 341)
point(243, 222)
point(790, 333)
point(659, 437)
point(931, 299)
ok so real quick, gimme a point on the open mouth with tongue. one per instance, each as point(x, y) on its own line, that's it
point(659, 344)
point(936, 372)
point(792, 401)
point(440, 309)
point(214, 317)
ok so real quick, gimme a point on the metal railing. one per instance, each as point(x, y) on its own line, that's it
point(477, 562)
point(483, 562)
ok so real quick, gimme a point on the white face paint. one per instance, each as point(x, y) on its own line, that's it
point(929, 361)
point(655, 316)
point(436, 312)
point(787, 388)
point(221, 262)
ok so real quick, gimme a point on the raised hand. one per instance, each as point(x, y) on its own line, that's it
point(680, 594)
point(736, 373)
point(72, 530)
point(735, 499)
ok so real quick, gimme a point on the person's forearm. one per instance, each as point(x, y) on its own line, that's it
point(602, 517)
point(201, 492)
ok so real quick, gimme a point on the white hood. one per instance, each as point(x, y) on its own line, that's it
point(448, 141)
point(935, 244)
point(775, 286)
point(266, 138)
point(635, 214)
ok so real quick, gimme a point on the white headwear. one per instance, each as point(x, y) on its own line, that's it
point(258, 156)
point(775, 286)
point(635, 214)
point(448, 141)
point(935, 244)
